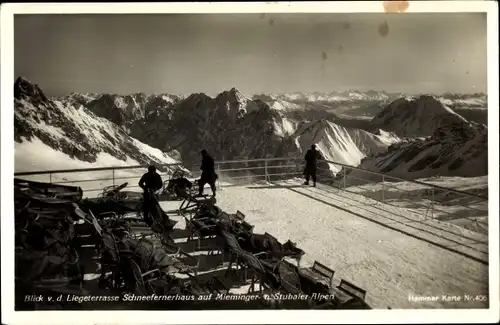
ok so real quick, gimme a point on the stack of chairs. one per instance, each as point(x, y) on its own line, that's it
point(206, 221)
point(266, 267)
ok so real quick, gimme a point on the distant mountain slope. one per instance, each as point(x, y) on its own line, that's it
point(457, 152)
point(465, 101)
point(229, 126)
point(335, 96)
point(73, 131)
point(417, 117)
point(233, 126)
point(340, 144)
point(437, 141)
point(473, 107)
point(409, 136)
point(78, 98)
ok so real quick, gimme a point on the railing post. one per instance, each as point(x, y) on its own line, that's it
point(217, 185)
point(345, 176)
point(113, 176)
point(383, 188)
point(50, 178)
point(432, 202)
point(265, 171)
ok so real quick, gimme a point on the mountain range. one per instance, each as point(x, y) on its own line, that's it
point(393, 133)
point(44, 125)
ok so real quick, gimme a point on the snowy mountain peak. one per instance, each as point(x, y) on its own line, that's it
point(198, 96)
point(25, 88)
point(80, 98)
point(158, 104)
point(234, 101)
point(118, 109)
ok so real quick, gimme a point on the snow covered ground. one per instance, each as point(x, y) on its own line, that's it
point(36, 156)
point(389, 251)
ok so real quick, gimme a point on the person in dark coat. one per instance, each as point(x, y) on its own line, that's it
point(150, 183)
point(208, 175)
point(312, 156)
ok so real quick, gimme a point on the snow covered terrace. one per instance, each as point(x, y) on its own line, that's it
point(388, 251)
point(396, 254)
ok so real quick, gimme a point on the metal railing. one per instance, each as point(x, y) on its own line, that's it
point(427, 199)
point(434, 201)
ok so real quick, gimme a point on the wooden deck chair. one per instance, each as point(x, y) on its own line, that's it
point(324, 272)
point(294, 255)
point(239, 215)
point(110, 214)
point(96, 224)
point(175, 252)
point(244, 259)
point(189, 270)
point(238, 222)
point(143, 282)
point(217, 285)
point(143, 279)
point(75, 283)
point(289, 279)
point(190, 204)
point(91, 218)
point(182, 268)
point(65, 195)
point(214, 285)
point(198, 237)
point(352, 289)
point(199, 228)
point(246, 226)
point(291, 283)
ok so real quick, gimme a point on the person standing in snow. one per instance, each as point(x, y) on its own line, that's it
point(208, 175)
point(312, 156)
point(150, 183)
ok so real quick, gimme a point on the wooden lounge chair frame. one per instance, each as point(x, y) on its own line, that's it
point(352, 289)
point(324, 271)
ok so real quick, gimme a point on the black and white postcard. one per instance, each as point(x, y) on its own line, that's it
point(250, 162)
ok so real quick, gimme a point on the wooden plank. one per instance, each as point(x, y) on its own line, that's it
point(323, 270)
point(352, 289)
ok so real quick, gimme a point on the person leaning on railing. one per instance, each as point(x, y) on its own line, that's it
point(150, 182)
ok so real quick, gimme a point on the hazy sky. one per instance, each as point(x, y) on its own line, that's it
point(256, 53)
